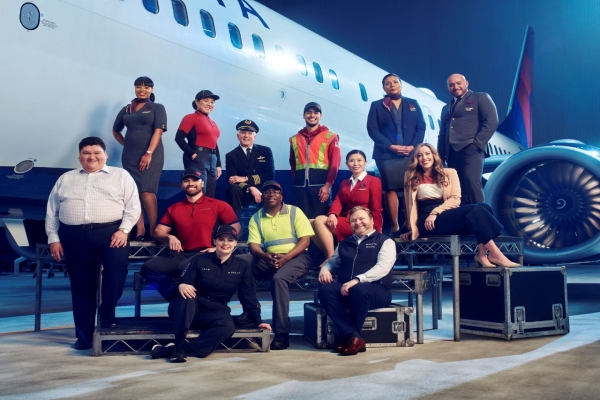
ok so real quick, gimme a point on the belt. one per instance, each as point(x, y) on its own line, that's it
point(200, 148)
point(94, 226)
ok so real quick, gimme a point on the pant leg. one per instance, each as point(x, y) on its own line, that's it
point(280, 291)
point(163, 269)
point(217, 326)
point(335, 305)
point(211, 174)
point(183, 313)
point(114, 271)
point(468, 162)
point(235, 195)
point(204, 161)
point(302, 201)
point(482, 224)
point(364, 297)
point(317, 207)
point(82, 265)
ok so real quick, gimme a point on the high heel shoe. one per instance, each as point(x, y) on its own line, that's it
point(479, 261)
point(510, 264)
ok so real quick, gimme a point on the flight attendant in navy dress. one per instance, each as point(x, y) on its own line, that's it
point(143, 153)
point(197, 136)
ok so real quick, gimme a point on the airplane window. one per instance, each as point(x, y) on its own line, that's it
point(180, 12)
point(208, 25)
point(334, 79)
point(431, 124)
point(301, 65)
point(363, 92)
point(259, 48)
point(318, 72)
point(439, 122)
point(234, 35)
point(151, 6)
point(279, 50)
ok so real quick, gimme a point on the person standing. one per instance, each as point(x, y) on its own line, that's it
point(364, 262)
point(197, 136)
point(284, 232)
point(204, 289)
point(90, 213)
point(396, 125)
point(187, 227)
point(314, 162)
point(468, 123)
point(248, 166)
point(143, 154)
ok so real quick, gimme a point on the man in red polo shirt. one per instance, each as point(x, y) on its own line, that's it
point(193, 221)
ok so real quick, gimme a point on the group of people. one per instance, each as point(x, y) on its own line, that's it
point(92, 210)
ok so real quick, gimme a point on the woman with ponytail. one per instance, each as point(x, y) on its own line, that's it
point(143, 153)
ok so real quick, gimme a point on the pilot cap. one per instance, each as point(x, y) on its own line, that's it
point(247, 125)
point(226, 230)
point(316, 106)
point(272, 185)
point(194, 172)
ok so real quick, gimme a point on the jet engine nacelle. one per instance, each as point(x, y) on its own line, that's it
point(550, 195)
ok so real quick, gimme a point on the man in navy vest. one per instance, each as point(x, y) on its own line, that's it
point(363, 262)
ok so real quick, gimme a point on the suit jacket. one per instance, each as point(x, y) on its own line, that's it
point(382, 127)
point(472, 121)
point(451, 197)
point(258, 169)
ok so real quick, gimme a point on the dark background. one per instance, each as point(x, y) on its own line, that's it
point(425, 41)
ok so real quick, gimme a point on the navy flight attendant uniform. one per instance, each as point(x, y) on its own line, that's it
point(140, 129)
point(215, 284)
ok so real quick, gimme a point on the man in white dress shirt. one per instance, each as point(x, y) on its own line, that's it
point(90, 213)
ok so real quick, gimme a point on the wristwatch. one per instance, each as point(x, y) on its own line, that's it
point(148, 152)
point(125, 231)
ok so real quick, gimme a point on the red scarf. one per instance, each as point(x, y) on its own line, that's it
point(387, 100)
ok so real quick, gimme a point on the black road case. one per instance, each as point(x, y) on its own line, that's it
point(383, 327)
point(513, 303)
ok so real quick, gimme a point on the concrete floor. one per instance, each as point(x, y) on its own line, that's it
point(42, 365)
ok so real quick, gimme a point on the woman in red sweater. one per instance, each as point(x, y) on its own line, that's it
point(360, 190)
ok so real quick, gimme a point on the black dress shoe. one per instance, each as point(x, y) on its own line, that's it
point(159, 351)
point(355, 346)
point(140, 238)
point(178, 355)
point(109, 323)
point(281, 341)
point(82, 345)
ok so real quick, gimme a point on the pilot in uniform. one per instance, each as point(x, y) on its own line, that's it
point(215, 278)
point(248, 166)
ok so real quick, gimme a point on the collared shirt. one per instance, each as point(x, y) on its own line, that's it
point(246, 148)
point(385, 260)
point(278, 227)
point(80, 197)
point(353, 181)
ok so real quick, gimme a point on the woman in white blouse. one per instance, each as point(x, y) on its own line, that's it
point(432, 204)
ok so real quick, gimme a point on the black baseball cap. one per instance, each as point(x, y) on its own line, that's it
point(272, 184)
point(247, 125)
point(195, 172)
point(225, 230)
point(314, 105)
point(206, 93)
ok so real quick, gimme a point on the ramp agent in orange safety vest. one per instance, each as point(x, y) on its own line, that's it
point(314, 162)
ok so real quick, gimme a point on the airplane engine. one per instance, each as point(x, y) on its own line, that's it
point(550, 195)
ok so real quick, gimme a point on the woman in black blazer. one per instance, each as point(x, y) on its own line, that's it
point(396, 125)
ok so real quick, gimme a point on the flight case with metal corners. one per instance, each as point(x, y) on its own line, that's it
point(384, 327)
point(513, 303)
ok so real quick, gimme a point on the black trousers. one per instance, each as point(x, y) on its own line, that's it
point(280, 281)
point(361, 298)
point(163, 269)
point(237, 197)
point(468, 162)
point(213, 319)
point(307, 199)
point(473, 219)
point(83, 248)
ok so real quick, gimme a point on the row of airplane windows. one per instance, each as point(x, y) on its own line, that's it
point(181, 17)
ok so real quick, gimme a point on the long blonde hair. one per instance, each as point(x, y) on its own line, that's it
point(415, 171)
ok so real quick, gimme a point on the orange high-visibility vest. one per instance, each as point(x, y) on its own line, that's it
point(312, 160)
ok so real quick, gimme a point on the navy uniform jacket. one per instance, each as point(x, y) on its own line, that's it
point(217, 282)
point(382, 127)
point(259, 168)
point(472, 121)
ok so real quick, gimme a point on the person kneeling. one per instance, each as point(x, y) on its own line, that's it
point(205, 287)
point(364, 262)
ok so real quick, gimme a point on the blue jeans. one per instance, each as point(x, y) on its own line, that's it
point(206, 162)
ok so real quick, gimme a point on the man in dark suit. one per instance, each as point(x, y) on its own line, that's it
point(248, 166)
point(468, 123)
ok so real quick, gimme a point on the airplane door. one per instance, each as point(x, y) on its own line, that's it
point(431, 130)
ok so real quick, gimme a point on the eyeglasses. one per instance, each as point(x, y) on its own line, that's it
point(269, 192)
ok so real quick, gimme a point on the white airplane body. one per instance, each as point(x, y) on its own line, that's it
point(68, 78)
